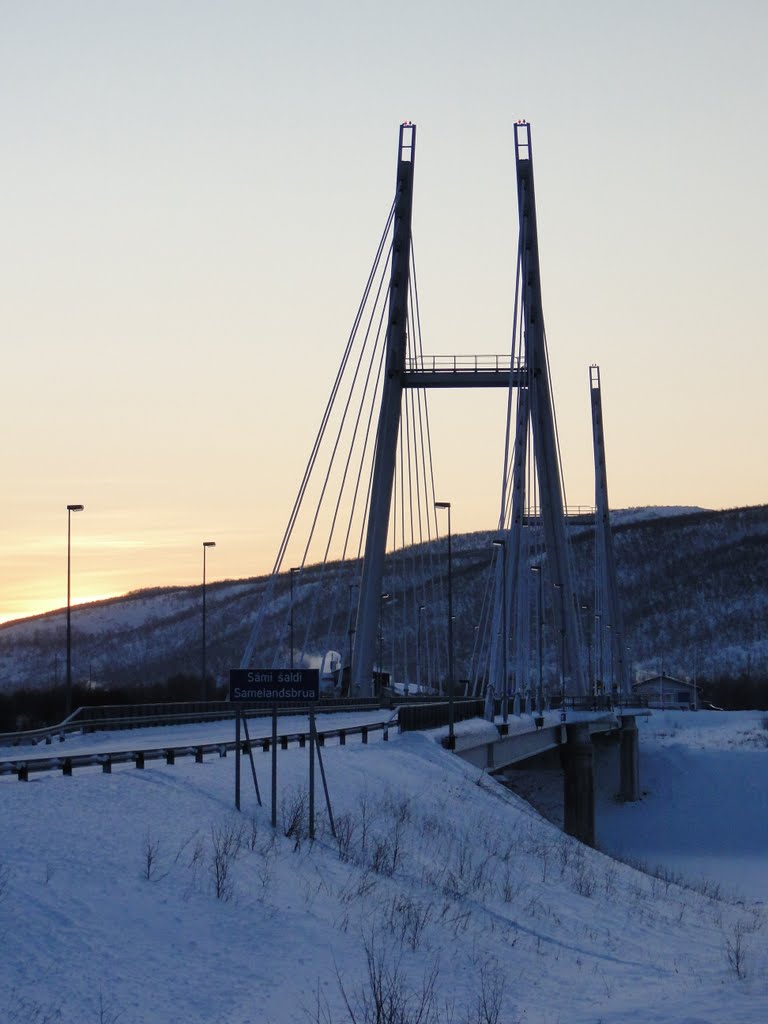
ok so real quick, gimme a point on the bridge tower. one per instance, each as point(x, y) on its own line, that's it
point(389, 418)
point(536, 408)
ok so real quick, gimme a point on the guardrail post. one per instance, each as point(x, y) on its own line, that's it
point(198, 755)
point(342, 737)
point(66, 768)
point(106, 765)
point(302, 741)
point(265, 744)
point(364, 733)
point(23, 773)
point(139, 758)
point(283, 742)
point(170, 757)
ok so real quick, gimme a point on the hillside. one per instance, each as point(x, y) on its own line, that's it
point(692, 584)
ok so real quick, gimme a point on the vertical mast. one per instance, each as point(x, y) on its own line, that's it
point(543, 420)
point(611, 620)
point(389, 420)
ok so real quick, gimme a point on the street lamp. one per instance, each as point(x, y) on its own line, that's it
point(585, 608)
point(451, 734)
point(503, 545)
point(295, 569)
point(70, 510)
point(418, 650)
point(559, 586)
point(537, 569)
point(346, 691)
point(382, 599)
point(203, 687)
point(598, 652)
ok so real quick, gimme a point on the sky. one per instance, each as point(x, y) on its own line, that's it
point(191, 195)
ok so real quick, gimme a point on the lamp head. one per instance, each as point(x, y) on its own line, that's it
point(75, 508)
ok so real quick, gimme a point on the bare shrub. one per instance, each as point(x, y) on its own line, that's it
point(151, 856)
point(737, 949)
point(386, 997)
point(489, 999)
point(19, 1010)
point(407, 919)
point(226, 843)
point(252, 837)
point(107, 1012)
point(467, 872)
point(383, 856)
point(345, 834)
point(582, 876)
point(510, 886)
point(294, 817)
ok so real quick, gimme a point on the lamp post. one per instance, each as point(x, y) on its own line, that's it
point(538, 571)
point(451, 734)
point(585, 608)
point(503, 545)
point(418, 651)
point(295, 569)
point(382, 599)
point(475, 630)
point(346, 691)
point(559, 586)
point(203, 685)
point(70, 510)
point(611, 641)
point(598, 651)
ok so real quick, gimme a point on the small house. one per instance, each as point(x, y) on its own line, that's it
point(664, 691)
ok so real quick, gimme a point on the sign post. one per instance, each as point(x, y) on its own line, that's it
point(274, 686)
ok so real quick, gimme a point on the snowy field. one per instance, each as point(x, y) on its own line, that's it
point(141, 897)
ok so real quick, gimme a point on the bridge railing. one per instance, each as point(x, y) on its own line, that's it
point(463, 364)
point(139, 716)
point(412, 717)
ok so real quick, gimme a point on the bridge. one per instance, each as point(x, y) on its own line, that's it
point(369, 595)
point(363, 543)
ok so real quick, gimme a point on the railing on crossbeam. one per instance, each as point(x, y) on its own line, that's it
point(463, 364)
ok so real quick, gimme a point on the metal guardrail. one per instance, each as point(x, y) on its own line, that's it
point(139, 756)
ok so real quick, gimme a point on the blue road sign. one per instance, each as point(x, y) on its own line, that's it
point(285, 685)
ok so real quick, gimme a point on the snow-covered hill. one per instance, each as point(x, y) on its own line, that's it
point(691, 581)
point(142, 897)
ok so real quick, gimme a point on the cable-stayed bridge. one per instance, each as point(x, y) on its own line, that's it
point(370, 520)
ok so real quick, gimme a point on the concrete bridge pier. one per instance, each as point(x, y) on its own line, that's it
point(629, 755)
point(579, 802)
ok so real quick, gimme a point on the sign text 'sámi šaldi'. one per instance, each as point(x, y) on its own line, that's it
point(285, 685)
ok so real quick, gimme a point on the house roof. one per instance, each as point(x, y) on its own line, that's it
point(664, 680)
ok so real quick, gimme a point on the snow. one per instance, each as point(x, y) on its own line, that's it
point(109, 910)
